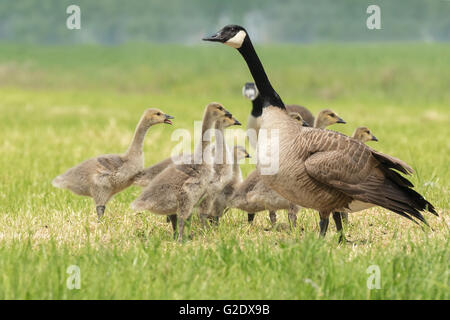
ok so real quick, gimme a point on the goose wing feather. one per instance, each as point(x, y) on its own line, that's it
point(109, 164)
point(366, 175)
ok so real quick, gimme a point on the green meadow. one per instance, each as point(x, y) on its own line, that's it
point(60, 105)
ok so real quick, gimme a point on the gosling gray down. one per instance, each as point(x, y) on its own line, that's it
point(223, 197)
point(223, 167)
point(102, 177)
point(177, 189)
point(253, 196)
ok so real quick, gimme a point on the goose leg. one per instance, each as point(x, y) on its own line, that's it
point(251, 217)
point(344, 216)
point(324, 223)
point(214, 220)
point(337, 216)
point(292, 215)
point(173, 219)
point(180, 229)
point(273, 217)
point(186, 203)
point(100, 212)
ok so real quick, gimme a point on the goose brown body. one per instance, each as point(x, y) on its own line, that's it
point(328, 171)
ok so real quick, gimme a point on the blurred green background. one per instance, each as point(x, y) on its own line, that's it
point(180, 21)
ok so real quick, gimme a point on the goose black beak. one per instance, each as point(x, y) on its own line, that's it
point(374, 138)
point(340, 120)
point(217, 37)
point(166, 120)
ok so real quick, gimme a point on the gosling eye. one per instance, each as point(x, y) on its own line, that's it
point(158, 114)
point(220, 108)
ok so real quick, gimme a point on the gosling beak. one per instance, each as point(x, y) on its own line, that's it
point(166, 120)
point(247, 155)
point(305, 124)
point(217, 37)
point(374, 138)
point(237, 123)
point(340, 120)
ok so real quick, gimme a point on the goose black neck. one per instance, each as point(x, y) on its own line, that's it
point(257, 106)
point(268, 95)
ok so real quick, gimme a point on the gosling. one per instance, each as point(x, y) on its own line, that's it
point(223, 197)
point(102, 177)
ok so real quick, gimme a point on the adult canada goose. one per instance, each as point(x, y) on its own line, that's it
point(254, 119)
point(104, 176)
point(321, 169)
point(223, 197)
point(177, 189)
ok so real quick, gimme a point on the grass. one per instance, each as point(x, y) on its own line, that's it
point(61, 105)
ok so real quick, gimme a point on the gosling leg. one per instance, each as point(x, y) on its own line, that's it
point(251, 217)
point(180, 229)
point(273, 217)
point(292, 216)
point(173, 219)
point(100, 212)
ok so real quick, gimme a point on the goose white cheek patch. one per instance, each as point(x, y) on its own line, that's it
point(237, 40)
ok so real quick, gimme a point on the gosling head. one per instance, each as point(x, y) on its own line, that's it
point(216, 111)
point(298, 117)
point(326, 118)
point(363, 134)
point(153, 116)
point(226, 122)
point(232, 35)
point(250, 91)
point(240, 153)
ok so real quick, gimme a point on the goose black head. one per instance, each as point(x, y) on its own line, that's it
point(231, 35)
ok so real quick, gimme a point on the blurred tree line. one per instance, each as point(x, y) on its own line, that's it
point(186, 21)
